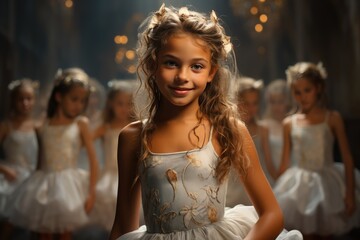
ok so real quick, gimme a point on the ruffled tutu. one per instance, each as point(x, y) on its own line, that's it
point(313, 201)
point(236, 224)
point(8, 187)
point(50, 202)
point(104, 209)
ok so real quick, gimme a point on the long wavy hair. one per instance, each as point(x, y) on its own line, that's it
point(215, 102)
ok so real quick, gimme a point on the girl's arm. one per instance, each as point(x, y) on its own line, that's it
point(93, 163)
point(128, 201)
point(285, 159)
point(338, 127)
point(39, 155)
point(270, 222)
point(267, 151)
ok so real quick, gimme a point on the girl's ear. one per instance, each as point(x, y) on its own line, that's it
point(212, 72)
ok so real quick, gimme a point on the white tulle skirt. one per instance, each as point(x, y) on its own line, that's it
point(313, 201)
point(50, 202)
point(8, 187)
point(236, 224)
point(103, 213)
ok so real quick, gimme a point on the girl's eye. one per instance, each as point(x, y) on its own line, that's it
point(197, 67)
point(170, 64)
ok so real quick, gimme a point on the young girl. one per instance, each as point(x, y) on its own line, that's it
point(117, 114)
point(277, 106)
point(178, 159)
point(18, 141)
point(57, 197)
point(248, 99)
point(317, 196)
point(248, 95)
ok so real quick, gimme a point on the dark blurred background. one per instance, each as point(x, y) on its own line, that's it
point(39, 36)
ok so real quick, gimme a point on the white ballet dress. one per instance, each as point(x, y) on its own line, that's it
point(52, 199)
point(20, 151)
point(182, 199)
point(104, 209)
point(311, 193)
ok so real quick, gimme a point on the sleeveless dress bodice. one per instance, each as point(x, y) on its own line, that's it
point(180, 191)
point(21, 148)
point(312, 145)
point(62, 151)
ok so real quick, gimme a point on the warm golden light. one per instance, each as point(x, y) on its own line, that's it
point(130, 54)
point(132, 69)
point(263, 18)
point(262, 1)
point(254, 10)
point(119, 56)
point(119, 39)
point(69, 3)
point(258, 27)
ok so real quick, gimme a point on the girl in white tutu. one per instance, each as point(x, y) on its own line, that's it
point(317, 196)
point(178, 158)
point(57, 197)
point(19, 143)
point(248, 97)
point(117, 114)
point(277, 100)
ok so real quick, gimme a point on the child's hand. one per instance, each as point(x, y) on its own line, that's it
point(10, 174)
point(90, 201)
point(349, 204)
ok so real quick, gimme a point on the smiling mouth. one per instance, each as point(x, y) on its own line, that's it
point(180, 91)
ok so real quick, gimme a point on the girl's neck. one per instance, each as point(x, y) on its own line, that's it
point(61, 119)
point(19, 118)
point(176, 113)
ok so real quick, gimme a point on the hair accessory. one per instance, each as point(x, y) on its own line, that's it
point(321, 70)
point(293, 72)
point(183, 13)
point(161, 12)
point(213, 17)
point(16, 83)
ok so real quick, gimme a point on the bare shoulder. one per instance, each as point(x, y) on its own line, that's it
point(83, 123)
point(335, 119)
point(131, 131)
point(287, 120)
point(334, 116)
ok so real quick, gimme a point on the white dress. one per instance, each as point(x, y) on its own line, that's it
point(276, 141)
point(104, 210)
point(182, 199)
point(52, 199)
point(311, 193)
point(21, 151)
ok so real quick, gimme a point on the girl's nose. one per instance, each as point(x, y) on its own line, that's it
point(182, 75)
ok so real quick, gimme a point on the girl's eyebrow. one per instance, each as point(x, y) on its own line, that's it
point(176, 58)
